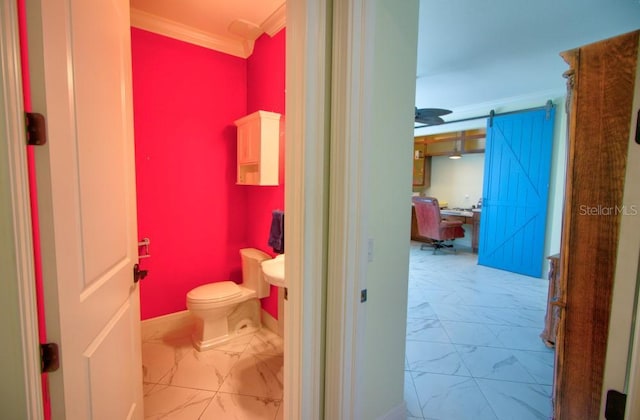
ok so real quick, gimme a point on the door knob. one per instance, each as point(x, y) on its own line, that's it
point(138, 274)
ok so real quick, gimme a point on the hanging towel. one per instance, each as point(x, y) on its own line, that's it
point(276, 234)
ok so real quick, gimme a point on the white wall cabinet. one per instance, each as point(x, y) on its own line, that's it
point(258, 148)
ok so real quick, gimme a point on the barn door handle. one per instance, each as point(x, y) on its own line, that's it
point(138, 274)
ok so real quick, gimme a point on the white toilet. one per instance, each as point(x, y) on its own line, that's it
point(224, 310)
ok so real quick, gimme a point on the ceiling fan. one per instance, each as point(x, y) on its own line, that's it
point(430, 116)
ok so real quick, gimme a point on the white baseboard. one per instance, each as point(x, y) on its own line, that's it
point(269, 321)
point(181, 323)
point(398, 412)
point(175, 324)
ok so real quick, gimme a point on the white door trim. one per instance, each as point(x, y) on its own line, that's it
point(347, 258)
point(306, 206)
point(19, 313)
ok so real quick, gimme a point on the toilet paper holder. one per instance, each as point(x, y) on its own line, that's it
point(144, 244)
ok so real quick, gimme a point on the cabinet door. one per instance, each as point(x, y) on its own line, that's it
point(419, 165)
point(249, 144)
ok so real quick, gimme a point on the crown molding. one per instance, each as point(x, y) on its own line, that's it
point(237, 47)
point(277, 21)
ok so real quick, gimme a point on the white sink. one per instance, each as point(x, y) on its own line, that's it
point(274, 271)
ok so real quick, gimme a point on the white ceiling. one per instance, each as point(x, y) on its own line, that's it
point(481, 51)
point(471, 52)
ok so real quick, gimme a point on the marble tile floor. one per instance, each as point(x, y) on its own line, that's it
point(473, 349)
point(240, 380)
point(472, 352)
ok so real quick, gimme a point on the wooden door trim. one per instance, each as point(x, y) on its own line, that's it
point(598, 125)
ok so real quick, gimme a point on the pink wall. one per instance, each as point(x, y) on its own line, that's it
point(33, 197)
point(185, 101)
point(266, 91)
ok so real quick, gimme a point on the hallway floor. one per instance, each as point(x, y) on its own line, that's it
point(239, 380)
point(473, 346)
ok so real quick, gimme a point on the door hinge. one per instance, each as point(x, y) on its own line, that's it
point(615, 405)
point(36, 129)
point(49, 357)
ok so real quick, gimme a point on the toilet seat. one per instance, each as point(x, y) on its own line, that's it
point(214, 292)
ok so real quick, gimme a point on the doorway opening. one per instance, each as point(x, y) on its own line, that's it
point(473, 348)
point(473, 330)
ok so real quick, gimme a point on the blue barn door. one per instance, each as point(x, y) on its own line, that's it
point(515, 191)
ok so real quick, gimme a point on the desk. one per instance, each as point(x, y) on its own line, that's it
point(466, 217)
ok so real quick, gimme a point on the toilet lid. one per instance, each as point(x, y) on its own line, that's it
point(215, 292)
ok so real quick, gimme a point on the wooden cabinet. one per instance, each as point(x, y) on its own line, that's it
point(601, 83)
point(445, 144)
point(258, 148)
point(421, 166)
point(475, 234)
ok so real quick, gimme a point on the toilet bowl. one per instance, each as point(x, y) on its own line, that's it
point(224, 310)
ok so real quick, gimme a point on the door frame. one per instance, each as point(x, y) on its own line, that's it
point(351, 82)
point(306, 164)
point(326, 75)
point(19, 312)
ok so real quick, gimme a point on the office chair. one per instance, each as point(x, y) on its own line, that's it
point(431, 225)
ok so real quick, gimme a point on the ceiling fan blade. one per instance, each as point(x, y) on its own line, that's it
point(430, 116)
point(429, 120)
point(431, 112)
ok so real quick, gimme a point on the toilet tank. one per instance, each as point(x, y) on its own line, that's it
point(252, 277)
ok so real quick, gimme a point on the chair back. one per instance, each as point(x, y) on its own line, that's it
point(427, 216)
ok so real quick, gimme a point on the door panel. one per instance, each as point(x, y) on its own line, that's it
point(516, 186)
point(87, 197)
point(114, 339)
point(99, 73)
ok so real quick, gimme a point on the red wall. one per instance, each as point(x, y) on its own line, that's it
point(33, 197)
point(266, 91)
point(185, 101)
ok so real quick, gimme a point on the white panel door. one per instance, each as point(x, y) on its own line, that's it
point(80, 63)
